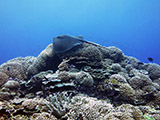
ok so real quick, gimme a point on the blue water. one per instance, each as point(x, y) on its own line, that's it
point(28, 26)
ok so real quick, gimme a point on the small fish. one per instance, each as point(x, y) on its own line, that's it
point(150, 59)
point(140, 63)
point(8, 68)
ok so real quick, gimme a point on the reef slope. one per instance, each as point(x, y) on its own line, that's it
point(85, 82)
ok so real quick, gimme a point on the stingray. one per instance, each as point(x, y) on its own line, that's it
point(64, 43)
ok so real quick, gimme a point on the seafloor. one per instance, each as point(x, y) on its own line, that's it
point(87, 82)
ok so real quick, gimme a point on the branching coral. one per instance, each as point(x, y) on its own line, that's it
point(59, 103)
point(83, 107)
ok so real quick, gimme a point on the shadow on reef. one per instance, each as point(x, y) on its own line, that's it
point(58, 76)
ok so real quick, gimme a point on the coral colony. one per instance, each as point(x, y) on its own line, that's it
point(74, 79)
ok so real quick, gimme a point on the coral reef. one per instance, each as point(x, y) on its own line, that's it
point(89, 108)
point(119, 78)
point(43, 116)
point(84, 78)
point(12, 84)
point(116, 67)
point(115, 54)
point(42, 61)
point(48, 81)
point(86, 81)
point(154, 71)
point(3, 78)
point(139, 81)
point(15, 68)
point(83, 107)
point(25, 109)
point(92, 53)
point(59, 103)
point(5, 96)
